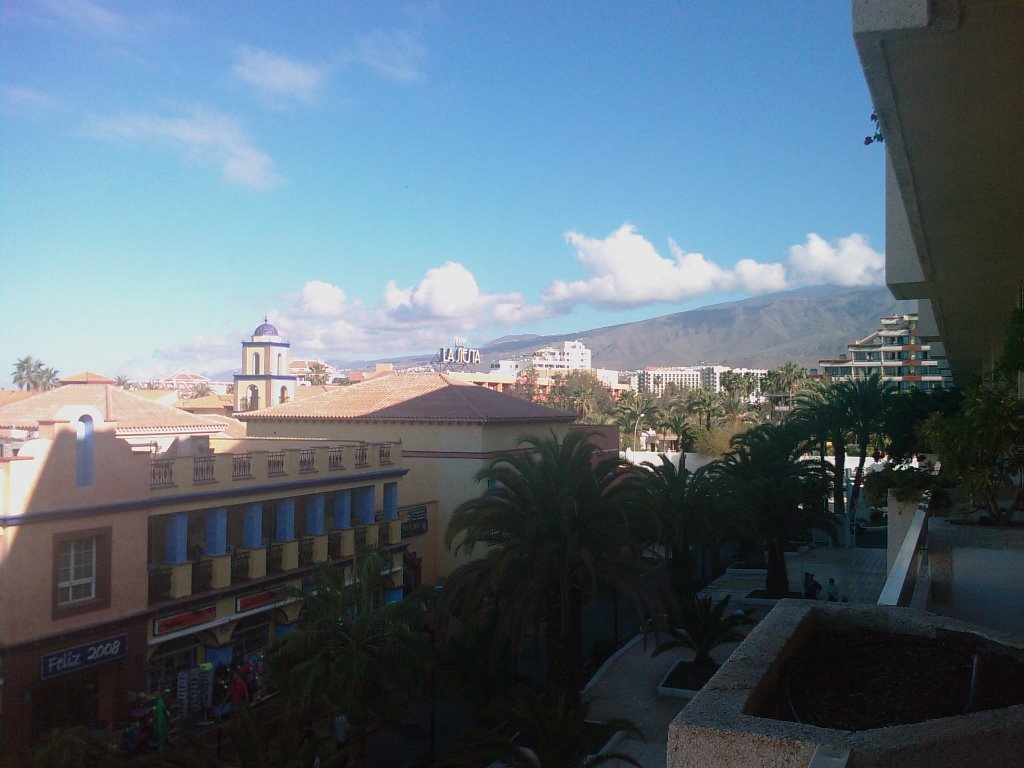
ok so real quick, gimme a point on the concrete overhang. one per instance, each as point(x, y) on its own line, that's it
point(947, 81)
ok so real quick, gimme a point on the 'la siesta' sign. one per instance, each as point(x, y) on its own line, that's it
point(459, 354)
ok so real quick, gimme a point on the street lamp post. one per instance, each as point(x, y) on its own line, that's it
point(636, 427)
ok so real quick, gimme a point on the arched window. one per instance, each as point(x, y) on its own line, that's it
point(256, 362)
point(83, 452)
point(284, 395)
point(254, 398)
point(280, 364)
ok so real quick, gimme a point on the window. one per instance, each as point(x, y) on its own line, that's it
point(77, 571)
point(81, 571)
point(256, 362)
point(83, 452)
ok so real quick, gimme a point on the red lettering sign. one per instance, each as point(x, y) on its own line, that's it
point(257, 600)
point(184, 620)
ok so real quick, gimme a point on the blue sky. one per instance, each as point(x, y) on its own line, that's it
point(379, 176)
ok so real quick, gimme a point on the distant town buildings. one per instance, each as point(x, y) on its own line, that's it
point(655, 380)
point(895, 351)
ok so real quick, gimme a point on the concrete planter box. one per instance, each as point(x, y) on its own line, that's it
point(719, 727)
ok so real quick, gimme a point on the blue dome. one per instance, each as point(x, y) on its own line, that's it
point(266, 330)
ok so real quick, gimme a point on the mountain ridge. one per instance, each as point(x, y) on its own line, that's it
point(800, 326)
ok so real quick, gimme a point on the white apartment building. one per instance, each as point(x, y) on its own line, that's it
point(573, 356)
point(654, 380)
point(895, 351)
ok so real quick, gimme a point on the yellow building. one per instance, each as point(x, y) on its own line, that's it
point(266, 376)
point(139, 542)
point(449, 429)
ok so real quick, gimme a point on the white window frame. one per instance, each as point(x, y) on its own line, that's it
point(76, 558)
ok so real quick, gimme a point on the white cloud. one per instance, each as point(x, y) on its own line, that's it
point(447, 293)
point(845, 261)
point(626, 270)
point(203, 134)
point(395, 55)
point(28, 102)
point(277, 77)
point(320, 299)
point(89, 16)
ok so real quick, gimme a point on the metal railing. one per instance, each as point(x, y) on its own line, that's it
point(334, 545)
point(202, 575)
point(361, 456)
point(335, 458)
point(159, 584)
point(307, 460)
point(241, 466)
point(161, 472)
point(275, 558)
point(202, 469)
point(384, 454)
point(360, 538)
point(908, 581)
point(239, 567)
point(305, 552)
point(384, 534)
point(275, 463)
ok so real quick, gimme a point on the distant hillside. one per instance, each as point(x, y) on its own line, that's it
point(801, 326)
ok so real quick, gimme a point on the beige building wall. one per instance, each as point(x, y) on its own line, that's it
point(442, 459)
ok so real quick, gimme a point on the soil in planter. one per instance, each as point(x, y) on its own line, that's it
point(872, 680)
point(688, 676)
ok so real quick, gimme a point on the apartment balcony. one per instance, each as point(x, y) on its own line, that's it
point(236, 470)
point(341, 543)
point(389, 532)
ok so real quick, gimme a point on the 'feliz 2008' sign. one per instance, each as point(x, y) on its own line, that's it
point(82, 656)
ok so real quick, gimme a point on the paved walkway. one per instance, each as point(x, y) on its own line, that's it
point(627, 687)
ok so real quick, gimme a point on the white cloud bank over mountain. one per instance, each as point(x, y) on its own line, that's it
point(623, 270)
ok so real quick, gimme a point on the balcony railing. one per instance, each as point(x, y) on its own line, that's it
point(384, 534)
point(361, 456)
point(334, 545)
point(239, 567)
point(275, 463)
point(909, 583)
point(307, 460)
point(241, 466)
point(161, 472)
point(202, 469)
point(305, 552)
point(275, 558)
point(202, 575)
point(159, 584)
point(360, 538)
point(384, 454)
point(334, 458)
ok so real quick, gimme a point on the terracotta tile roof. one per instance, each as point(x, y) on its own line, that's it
point(133, 414)
point(199, 403)
point(87, 377)
point(13, 395)
point(430, 397)
point(301, 393)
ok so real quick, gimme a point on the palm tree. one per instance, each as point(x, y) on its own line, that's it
point(707, 405)
point(676, 423)
point(792, 377)
point(50, 379)
point(28, 373)
point(634, 409)
point(124, 382)
point(682, 501)
point(200, 389)
point(866, 399)
point(824, 413)
point(768, 477)
point(564, 525)
point(352, 650)
point(318, 374)
point(548, 732)
point(703, 627)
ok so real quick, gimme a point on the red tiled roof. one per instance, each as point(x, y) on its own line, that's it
point(87, 377)
point(133, 414)
point(13, 395)
point(431, 397)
